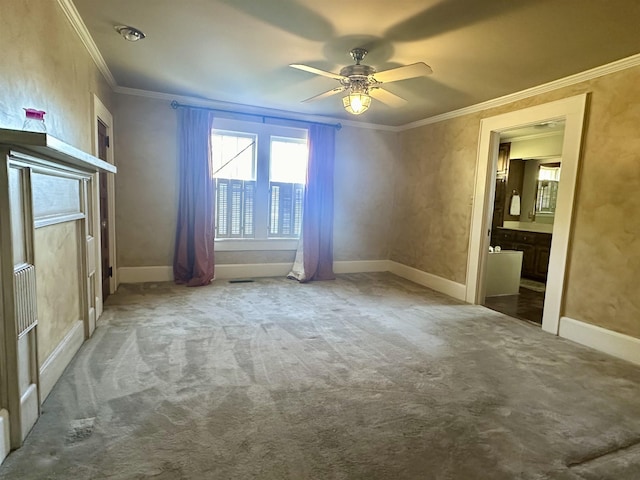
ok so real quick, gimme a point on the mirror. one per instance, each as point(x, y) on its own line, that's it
point(532, 184)
point(527, 177)
point(547, 189)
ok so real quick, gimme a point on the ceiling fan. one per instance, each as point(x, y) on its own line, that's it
point(363, 82)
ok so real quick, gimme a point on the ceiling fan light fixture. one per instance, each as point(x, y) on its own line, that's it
point(356, 103)
point(129, 33)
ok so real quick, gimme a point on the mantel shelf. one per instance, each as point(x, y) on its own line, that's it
point(45, 144)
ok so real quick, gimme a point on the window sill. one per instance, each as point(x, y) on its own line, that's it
point(245, 245)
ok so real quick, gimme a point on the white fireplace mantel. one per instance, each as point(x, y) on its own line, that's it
point(49, 265)
point(44, 144)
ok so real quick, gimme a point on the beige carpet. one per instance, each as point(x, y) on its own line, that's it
point(365, 377)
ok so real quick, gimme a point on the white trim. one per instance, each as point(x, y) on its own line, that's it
point(434, 282)
point(249, 109)
point(360, 266)
point(5, 440)
point(100, 112)
point(258, 270)
point(596, 72)
point(249, 270)
point(29, 409)
point(79, 26)
point(572, 109)
point(145, 274)
point(613, 67)
point(598, 338)
point(252, 270)
point(55, 219)
point(81, 29)
point(53, 367)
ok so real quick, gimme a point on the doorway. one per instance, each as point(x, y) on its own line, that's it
point(528, 171)
point(103, 198)
point(103, 193)
point(570, 110)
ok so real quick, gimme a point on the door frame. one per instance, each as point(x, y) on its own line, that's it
point(101, 113)
point(572, 111)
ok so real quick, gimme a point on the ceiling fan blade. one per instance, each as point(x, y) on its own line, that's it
point(401, 73)
point(333, 91)
point(387, 97)
point(317, 71)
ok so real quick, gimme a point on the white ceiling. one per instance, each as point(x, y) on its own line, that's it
point(238, 51)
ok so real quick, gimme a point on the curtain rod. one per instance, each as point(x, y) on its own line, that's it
point(175, 105)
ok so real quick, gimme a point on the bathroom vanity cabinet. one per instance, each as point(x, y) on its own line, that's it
point(535, 247)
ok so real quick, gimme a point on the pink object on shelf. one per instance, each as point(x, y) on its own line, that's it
point(34, 121)
point(35, 114)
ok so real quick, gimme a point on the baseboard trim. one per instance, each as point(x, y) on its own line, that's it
point(29, 410)
point(252, 270)
point(145, 274)
point(5, 441)
point(602, 339)
point(53, 367)
point(360, 266)
point(249, 270)
point(257, 270)
point(439, 284)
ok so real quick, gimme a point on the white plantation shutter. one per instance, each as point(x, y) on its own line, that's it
point(274, 209)
point(235, 208)
point(222, 208)
point(285, 209)
point(249, 208)
point(298, 197)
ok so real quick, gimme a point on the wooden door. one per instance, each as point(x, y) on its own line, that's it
point(103, 144)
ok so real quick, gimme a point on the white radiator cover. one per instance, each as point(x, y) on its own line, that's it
point(24, 280)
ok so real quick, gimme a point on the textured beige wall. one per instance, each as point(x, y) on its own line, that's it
point(604, 261)
point(58, 288)
point(365, 172)
point(433, 209)
point(434, 196)
point(147, 189)
point(44, 65)
point(147, 181)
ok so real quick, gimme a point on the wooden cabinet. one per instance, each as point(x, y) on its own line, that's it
point(541, 266)
point(535, 247)
point(500, 199)
point(528, 258)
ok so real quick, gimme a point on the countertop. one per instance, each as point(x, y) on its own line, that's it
point(529, 227)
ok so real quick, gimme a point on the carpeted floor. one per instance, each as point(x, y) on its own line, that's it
point(366, 377)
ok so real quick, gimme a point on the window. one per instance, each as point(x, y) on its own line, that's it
point(260, 174)
point(547, 188)
point(234, 168)
point(287, 177)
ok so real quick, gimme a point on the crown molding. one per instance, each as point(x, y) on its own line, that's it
point(602, 70)
point(248, 109)
point(79, 26)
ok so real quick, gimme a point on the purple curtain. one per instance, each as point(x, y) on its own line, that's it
point(314, 258)
point(193, 261)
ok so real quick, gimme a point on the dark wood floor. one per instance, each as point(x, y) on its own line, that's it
point(526, 306)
